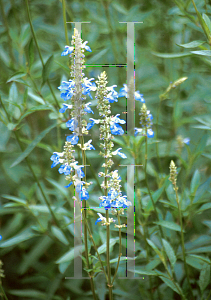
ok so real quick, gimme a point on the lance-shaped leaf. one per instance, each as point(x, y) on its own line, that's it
point(32, 145)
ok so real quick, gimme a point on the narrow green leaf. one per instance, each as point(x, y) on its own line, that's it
point(59, 235)
point(171, 55)
point(23, 236)
point(193, 44)
point(61, 189)
point(202, 189)
point(16, 76)
point(32, 145)
point(204, 278)
point(33, 109)
point(202, 22)
point(46, 69)
point(169, 225)
point(170, 284)
point(207, 21)
point(145, 272)
point(170, 252)
point(28, 294)
point(194, 262)
point(203, 208)
point(68, 256)
point(202, 52)
point(36, 98)
point(102, 248)
point(195, 182)
point(120, 8)
point(16, 199)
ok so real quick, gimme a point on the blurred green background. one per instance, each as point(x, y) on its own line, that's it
point(30, 124)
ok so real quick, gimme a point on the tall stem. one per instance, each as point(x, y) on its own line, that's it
point(38, 49)
point(107, 227)
point(64, 20)
point(182, 240)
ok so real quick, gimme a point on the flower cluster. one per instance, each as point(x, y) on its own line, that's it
point(75, 90)
point(109, 125)
point(173, 173)
point(146, 123)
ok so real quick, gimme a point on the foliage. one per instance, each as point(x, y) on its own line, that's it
point(172, 63)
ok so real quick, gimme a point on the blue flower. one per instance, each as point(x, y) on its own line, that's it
point(84, 194)
point(66, 169)
point(73, 139)
point(116, 129)
point(67, 186)
point(186, 141)
point(86, 47)
point(65, 107)
point(106, 202)
point(139, 97)
point(113, 95)
point(117, 152)
point(80, 172)
point(56, 159)
point(116, 119)
point(67, 87)
point(78, 185)
point(88, 86)
point(72, 123)
point(93, 121)
point(138, 130)
point(87, 108)
point(101, 218)
point(123, 93)
point(68, 50)
point(150, 133)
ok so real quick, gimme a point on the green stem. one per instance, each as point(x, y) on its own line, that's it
point(157, 149)
point(2, 290)
point(160, 228)
point(64, 20)
point(38, 49)
point(146, 179)
point(107, 225)
point(90, 234)
point(34, 175)
point(85, 228)
point(182, 240)
point(120, 248)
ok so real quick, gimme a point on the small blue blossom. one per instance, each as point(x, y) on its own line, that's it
point(67, 87)
point(73, 139)
point(87, 108)
point(67, 186)
point(88, 86)
point(116, 129)
point(68, 50)
point(186, 141)
point(113, 95)
point(80, 172)
point(101, 218)
point(116, 119)
point(72, 124)
point(65, 107)
point(56, 159)
point(86, 47)
point(93, 121)
point(117, 152)
point(84, 194)
point(150, 133)
point(138, 130)
point(78, 185)
point(123, 93)
point(66, 169)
